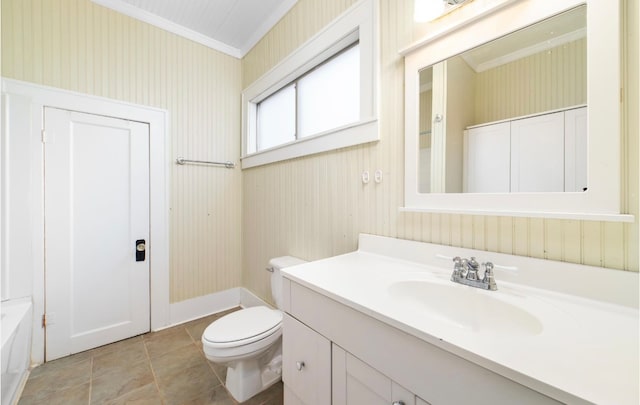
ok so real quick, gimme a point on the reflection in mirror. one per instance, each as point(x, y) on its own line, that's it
point(424, 140)
point(510, 115)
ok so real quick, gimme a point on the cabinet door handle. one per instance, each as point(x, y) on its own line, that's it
point(398, 403)
point(299, 365)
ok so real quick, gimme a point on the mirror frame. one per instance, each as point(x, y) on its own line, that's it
point(478, 23)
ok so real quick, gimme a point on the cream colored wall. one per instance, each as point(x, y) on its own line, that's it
point(545, 81)
point(310, 207)
point(460, 90)
point(79, 46)
point(316, 206)
point(426, 103)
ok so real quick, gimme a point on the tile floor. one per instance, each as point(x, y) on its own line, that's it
point(166, 367)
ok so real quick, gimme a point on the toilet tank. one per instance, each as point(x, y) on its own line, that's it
point(275, 265)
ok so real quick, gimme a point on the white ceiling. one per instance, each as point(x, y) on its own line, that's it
point(552, 32)
point(540, 37)
point(229, 26)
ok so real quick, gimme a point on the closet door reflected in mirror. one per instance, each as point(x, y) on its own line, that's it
point(508, 116)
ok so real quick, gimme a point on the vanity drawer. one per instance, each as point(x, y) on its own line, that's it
point(306, 364)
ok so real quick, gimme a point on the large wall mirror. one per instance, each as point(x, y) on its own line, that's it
point(492, 111)
point(515, 113)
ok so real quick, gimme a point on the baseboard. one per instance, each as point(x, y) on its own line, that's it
point(199, 307)
point(249, 299)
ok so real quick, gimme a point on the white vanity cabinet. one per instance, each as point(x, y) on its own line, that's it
point(373, 362)
point(541, 153)
point(355, 382)
point(306, 364)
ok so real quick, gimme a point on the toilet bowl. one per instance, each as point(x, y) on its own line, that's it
point(249, 341)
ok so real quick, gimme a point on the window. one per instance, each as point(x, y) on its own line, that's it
point(276, 119)
point(327, 97)
point(319, 98)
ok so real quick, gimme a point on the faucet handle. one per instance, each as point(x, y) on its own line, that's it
point(472, 267)
point(488, 278)
point(457, 267)
point(464, 267)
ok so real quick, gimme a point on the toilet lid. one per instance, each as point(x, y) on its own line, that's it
point(247, 325)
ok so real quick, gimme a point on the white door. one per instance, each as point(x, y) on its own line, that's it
point(96, 208)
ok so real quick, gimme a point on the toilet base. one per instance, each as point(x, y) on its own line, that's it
point(249, 377)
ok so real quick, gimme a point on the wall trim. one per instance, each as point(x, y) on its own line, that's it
point(27, 102)
point(205, 305)
point(269, 22)
point(248, 299)
point(358, 23)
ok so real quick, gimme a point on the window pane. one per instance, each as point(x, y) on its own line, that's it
point(329, 96)
point(277, 119)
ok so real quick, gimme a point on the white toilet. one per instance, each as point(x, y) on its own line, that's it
point(249, 341)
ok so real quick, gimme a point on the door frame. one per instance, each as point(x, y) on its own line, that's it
point(25, 102)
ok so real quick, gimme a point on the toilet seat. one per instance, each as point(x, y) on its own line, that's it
point(243, 327)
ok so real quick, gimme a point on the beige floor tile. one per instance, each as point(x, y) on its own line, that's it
point(146, 395)
point(58, 378)
point(110, 361)
point(175, 362)
point(196, 328)
point(78, 395)
point(216, 396)
point(116, 346)
point(220, 371)
point(191, 383)
point(272, 396)
point(120, 382)
point(52, 366)
point(166, 341)
point(133, 370)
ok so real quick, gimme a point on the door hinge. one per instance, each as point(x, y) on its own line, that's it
point(44, 320)
point(44, 138)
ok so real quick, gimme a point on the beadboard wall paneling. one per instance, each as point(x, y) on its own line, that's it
point(79, 46)
point(314, 207)
point(426, 105)
point(303, 21)
point(546, 81)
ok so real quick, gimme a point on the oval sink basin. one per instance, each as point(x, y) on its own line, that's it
point(465, 308)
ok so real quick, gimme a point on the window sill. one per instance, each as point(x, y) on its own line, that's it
point(350, 135)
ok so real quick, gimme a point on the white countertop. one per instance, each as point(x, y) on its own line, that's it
point(582, 350)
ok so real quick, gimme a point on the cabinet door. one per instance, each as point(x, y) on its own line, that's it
point(537, 153)
point(355, 382)
point(487, 159)
point(575, 149)
point(306, 364)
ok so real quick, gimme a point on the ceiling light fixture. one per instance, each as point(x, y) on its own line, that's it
point(429, 10)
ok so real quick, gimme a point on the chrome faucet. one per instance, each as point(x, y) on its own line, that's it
point(465, 271)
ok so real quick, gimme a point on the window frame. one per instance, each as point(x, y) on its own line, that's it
point(356, 25)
